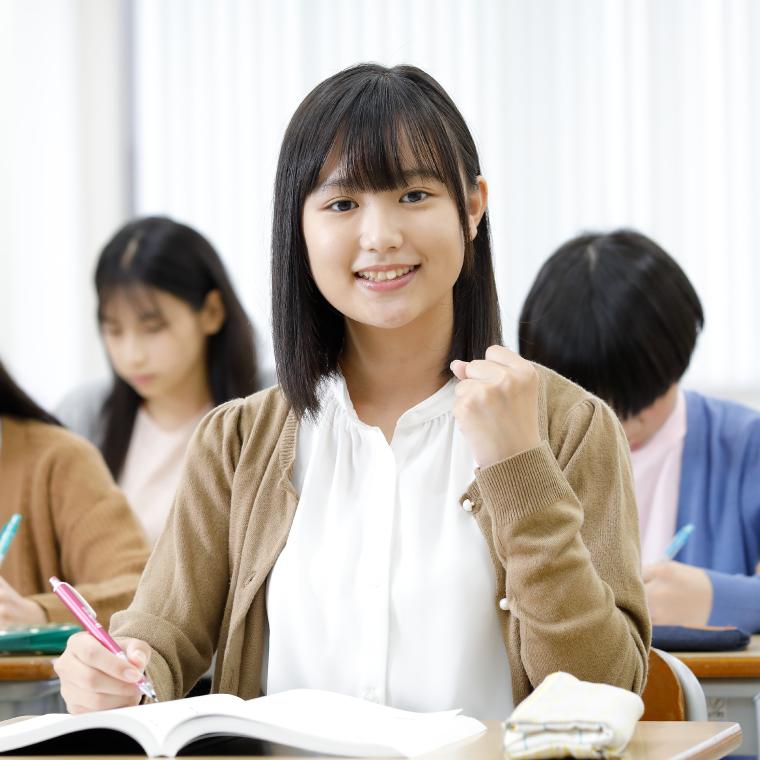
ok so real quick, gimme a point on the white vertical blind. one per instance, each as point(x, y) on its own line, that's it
point(590, 114)
point(62, 191)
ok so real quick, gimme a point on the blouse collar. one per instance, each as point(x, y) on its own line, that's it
point(439, 403)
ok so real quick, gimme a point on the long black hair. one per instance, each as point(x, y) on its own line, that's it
point(379, 120)
point(615, 314)
point(160, 253)
point(14, 402)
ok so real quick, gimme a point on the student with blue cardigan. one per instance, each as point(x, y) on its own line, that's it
point(617, 315)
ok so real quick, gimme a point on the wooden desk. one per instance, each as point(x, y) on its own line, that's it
point(731, 682)
point(26, 668)
point(651, 741)
point(28, 685)
point(744, 664)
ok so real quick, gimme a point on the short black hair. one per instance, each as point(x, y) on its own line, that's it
point(615, 314)
point(159, 252)
point(369, 115)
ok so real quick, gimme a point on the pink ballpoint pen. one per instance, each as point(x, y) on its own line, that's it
point(86, 616)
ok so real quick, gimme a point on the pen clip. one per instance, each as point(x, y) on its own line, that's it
point(82, 600)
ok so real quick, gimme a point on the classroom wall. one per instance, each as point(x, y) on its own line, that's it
point(589, 114)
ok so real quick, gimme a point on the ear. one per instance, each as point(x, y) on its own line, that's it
point(477, 202)
point(212, 313)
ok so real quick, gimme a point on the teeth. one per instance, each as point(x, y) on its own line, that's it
point(390, 274)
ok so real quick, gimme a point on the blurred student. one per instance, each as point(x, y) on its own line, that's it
point(179, 343)
point(75, 522)
point(617, 315)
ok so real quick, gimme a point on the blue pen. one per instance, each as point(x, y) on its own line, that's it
point(9, 531)
point(679, 540)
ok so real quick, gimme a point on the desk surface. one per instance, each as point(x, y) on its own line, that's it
point(25, 668)
point(651, 741)
point(743, 664)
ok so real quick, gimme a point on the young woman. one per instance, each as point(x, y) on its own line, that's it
point(74, 521)
point(416, 515)
point(179, 343)
point(616, 314)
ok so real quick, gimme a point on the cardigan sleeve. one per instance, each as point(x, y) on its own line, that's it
point(565, 528)
point(102, 548)
point(736, 596)
point(736, 600)
point(179, 605)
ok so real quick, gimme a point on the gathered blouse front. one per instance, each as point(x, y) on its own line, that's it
point(385, 589)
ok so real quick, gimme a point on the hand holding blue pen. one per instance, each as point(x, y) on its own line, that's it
point(9, 531)
point(679, 540)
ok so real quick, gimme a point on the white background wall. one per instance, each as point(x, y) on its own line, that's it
point(589, 114)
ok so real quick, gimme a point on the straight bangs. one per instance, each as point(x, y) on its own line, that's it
point(138, 294)
point(387, 137)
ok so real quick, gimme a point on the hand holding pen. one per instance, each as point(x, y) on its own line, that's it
point(677, 594)
point(14, 608)
point(7, 534)
point(91, 677)
point(678, 541)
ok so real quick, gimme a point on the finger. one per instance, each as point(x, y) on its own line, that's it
point(90, 654)
point(459, 368)
point(505, 356)
point(651, 572)
point(138, 653)
point(480, 369)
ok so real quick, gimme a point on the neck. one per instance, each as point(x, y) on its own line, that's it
point(183, 404)
point(388, 371)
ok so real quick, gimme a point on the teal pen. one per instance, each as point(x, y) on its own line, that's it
point(9, 531)
point(679, 540)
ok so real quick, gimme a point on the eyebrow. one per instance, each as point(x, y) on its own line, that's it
point(344, 182)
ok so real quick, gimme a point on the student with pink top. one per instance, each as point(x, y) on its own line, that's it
point(617, 315)
point(179, 343)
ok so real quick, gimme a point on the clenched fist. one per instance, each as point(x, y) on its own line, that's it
point(496, 405)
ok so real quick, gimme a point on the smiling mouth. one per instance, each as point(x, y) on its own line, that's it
point(385, 275)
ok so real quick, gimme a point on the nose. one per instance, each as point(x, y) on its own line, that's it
point(134, 351)
point(380, 228)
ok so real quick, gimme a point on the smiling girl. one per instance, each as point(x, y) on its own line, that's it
point(179, 343)
point(416, 515)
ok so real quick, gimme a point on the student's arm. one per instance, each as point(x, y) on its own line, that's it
point(180, 601)
point(736, 600)
point(566, 529)
point(102, 549)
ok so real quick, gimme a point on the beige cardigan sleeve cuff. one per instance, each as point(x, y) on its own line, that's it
point(524, 484)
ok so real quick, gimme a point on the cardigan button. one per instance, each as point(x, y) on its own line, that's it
point(467, 505)
point(504, 604)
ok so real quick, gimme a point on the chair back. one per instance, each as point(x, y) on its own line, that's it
point(672, 691)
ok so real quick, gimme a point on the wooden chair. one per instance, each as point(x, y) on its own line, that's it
point(672, 691)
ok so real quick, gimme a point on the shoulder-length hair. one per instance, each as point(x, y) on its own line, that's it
point(14, 402)
point(615, 314)
point(157, 252)
point(378, 122)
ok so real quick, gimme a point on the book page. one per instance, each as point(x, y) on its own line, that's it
point(356, 722)
point(161, 718)
point(147, 724)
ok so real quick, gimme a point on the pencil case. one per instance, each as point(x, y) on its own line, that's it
point(680, 638)
point(36, 639)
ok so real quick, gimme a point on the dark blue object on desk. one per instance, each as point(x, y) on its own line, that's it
point(678, 638)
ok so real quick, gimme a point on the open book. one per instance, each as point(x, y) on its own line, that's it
point(307, 719)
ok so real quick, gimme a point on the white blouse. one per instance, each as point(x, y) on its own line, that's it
point(385, 589)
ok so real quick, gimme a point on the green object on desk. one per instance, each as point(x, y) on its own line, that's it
point(36, 639)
